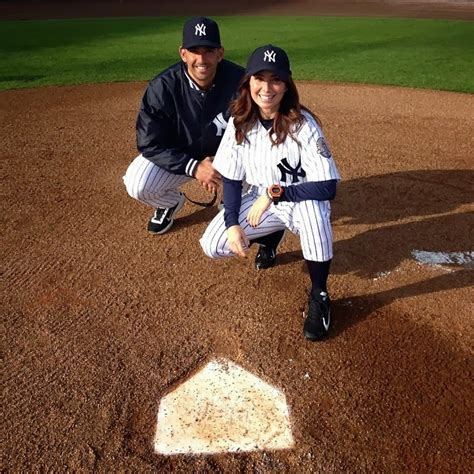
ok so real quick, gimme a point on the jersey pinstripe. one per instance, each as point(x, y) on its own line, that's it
point(152, 185)
point(257, 159)
point(261, 164)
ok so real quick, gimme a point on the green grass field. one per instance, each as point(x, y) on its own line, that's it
point(435, 54)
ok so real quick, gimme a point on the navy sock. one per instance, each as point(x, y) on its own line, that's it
point(318, 272)
point(271, 240)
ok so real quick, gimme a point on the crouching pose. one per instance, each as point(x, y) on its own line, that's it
point(277, 146)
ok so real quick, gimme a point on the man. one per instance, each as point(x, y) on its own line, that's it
point(182, 117)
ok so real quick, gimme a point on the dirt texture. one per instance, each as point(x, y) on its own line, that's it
point(100, 319)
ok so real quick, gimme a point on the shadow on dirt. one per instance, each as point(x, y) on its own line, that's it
point(429, 196)
point(389, 197)
point(382, 250)
point(350, 311)
point(406, 387)
point(200, 216)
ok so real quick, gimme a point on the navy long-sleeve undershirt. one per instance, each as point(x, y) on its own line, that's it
point(313, 190)
point(232, 201)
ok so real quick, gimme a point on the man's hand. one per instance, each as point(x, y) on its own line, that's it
point(257, 210)
point(207, 176)
point(238, 241)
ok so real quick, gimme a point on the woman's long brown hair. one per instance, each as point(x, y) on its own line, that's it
point(288, 120)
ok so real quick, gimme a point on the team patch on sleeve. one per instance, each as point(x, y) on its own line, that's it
point(323, 148)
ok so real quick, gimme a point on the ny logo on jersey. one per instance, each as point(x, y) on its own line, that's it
point(269, 56)
point(285, 169)
point(200, 29)
point(220, 124)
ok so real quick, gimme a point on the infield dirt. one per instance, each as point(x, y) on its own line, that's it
point(100, 319)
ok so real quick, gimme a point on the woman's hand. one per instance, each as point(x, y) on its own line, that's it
point(238, 241)
point(257, 210)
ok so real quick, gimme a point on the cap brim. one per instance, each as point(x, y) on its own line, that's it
point(283, 75)
point(196, 44)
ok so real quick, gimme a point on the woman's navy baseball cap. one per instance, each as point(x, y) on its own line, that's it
point(269, 58)
point(201, 31)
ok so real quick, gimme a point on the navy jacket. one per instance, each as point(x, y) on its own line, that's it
point(178, 124)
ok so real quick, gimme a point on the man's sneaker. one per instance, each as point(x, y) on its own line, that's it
point(316, 325)
point(162, 219)
point(265, 257)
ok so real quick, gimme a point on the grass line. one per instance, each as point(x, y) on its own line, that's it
point(435, 54)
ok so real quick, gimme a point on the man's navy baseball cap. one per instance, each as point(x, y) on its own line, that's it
point(269, 58)
point(201, 31)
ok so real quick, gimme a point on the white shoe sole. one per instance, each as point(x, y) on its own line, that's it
point(181, 202)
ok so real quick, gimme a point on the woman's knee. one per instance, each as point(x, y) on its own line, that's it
point(207, 249)
point(214, 244)
point(207, 246)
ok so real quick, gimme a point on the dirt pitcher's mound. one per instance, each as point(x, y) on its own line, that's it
point(101, 319)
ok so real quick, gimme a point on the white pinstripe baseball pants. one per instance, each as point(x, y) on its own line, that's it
point(308, 219)
point(152, 185)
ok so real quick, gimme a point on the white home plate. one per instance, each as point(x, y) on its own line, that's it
point(222, 408)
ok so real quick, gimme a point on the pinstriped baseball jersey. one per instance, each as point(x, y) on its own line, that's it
point(261, 164)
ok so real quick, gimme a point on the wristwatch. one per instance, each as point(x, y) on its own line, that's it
point(275, 192)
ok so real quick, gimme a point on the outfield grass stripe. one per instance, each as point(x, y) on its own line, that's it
point(434, 54)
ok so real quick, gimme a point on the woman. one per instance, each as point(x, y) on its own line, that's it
point(276, 145)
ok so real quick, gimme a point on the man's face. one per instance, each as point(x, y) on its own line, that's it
point(201, 63)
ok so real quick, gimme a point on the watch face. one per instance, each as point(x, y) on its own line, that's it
point(275, 190)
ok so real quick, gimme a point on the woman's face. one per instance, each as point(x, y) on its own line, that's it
point(267, 91)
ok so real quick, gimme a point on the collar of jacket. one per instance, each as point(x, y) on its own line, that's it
point(192, 84)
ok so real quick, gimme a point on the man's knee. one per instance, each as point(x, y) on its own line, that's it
point(138, 178)
point(137, 188)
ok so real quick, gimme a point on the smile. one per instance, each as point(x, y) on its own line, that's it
point(266, 97)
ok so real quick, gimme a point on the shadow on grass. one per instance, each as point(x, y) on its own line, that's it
point(49, 34)
point(21, 78)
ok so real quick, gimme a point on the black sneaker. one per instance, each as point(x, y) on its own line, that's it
point(265, 257)
point(162, 219)
point(316, 325)
point(267, 250)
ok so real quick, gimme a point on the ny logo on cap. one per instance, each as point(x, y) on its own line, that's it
point(269, 56)
point(200, 29)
